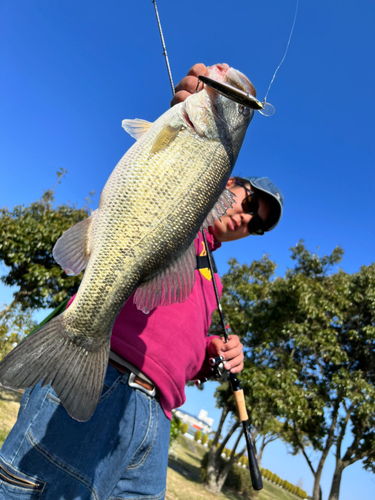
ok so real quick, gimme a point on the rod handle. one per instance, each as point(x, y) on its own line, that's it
point(240, 402)
point(256, 477)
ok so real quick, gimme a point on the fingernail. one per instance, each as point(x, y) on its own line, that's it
point(227, 366)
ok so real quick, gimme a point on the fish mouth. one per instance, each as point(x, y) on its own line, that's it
point(232, 84)
point(188, 121)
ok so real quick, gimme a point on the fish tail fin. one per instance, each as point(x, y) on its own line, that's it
point(75, 373)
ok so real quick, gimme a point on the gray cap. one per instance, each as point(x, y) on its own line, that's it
point(273, 195)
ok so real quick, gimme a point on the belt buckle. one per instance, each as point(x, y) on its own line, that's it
point(133, 383)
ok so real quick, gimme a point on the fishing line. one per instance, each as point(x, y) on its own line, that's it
point(286, 51)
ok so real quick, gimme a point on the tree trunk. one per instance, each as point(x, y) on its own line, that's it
point(233, 429)
point(7, 309)
point(336, 481)
point(317, 492)
point(215, 486)
point(213, 465)
point(259, 453)
point(18, 295)
point(212, 487)
point(225, 470)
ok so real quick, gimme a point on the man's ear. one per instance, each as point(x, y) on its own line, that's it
point(231, 182)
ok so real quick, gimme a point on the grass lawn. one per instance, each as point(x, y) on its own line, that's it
point(183, 479)
point(9, 404)
point(184, 472)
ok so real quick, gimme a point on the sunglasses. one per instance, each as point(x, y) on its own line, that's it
point(250, 205)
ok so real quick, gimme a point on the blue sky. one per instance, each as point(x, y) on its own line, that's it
point(72, 71)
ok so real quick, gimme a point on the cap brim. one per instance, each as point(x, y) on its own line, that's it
point(276, 208)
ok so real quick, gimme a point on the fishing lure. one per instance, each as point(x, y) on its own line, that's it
point(238, 96)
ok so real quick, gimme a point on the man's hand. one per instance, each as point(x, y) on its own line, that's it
point(232, 352)
point(188, 85)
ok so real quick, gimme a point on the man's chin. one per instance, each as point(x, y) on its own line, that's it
point(216, 233)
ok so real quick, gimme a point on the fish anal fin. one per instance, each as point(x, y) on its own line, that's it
point(136, 128)
point(173, 284)
point(72, 249)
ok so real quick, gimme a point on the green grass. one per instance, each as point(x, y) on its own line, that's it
point(187, 455)
point(183, 480)
point(9, 404)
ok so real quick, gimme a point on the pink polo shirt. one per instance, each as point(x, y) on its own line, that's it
point(169, 344)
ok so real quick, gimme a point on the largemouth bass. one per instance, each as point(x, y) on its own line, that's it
point(168, 185)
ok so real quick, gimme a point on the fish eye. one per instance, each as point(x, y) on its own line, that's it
point(242, 110)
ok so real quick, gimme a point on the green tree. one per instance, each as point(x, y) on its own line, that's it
point(175, 429)
point(198, 435)
point(204, 439)
point(27, 236)
point(13, 327)
point(310, 339)
point(184, 428)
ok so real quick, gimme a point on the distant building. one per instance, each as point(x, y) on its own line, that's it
point(200, 423)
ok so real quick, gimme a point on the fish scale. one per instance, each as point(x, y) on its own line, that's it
point(141, 238)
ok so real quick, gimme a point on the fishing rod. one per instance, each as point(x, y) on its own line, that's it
point(239, 396)
point(238, 393)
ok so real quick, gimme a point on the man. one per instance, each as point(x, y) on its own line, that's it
point(122, 451)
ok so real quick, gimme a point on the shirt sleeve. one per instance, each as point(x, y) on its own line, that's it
point(70, 301)
point(205, 370)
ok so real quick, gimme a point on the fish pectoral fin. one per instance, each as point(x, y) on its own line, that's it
point(220, 208)
point(173, 284)
point(50, 356)
point(166, 136)
point(72, 249)
point(137, 127)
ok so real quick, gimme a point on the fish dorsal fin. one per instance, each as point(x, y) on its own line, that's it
point(166, 136)
point(173, 284)
point(72, 249)
point(136, 128)
point(224, 202)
